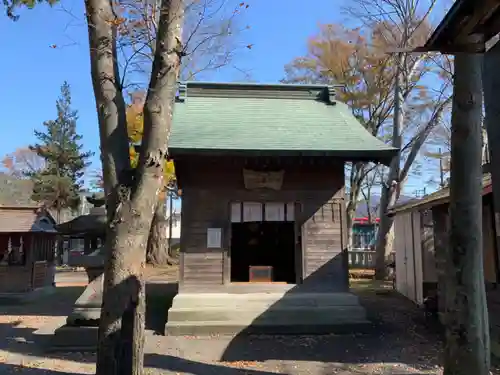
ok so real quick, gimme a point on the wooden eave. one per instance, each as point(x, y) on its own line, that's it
point(382, 156)
point(465, 19)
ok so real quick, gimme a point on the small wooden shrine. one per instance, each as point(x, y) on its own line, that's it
point(261, 168)
point(27, 248)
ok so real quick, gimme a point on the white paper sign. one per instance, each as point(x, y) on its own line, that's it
point(290, 212)
point(235, 212)
point(252, 211)
point(275, 211)
point(214, 238)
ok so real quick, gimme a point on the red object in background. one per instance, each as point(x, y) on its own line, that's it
point(76, 253)
point(364, 220)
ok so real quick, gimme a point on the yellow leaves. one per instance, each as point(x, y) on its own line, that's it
point(135, 123)
point(135, 129)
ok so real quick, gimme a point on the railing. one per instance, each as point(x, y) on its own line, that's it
point(363, 258)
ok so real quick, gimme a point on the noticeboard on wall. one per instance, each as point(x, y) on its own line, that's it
point(214, 238)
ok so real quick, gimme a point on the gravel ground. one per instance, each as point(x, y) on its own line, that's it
point(400, 344)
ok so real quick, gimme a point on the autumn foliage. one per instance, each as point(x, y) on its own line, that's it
point(135, 128)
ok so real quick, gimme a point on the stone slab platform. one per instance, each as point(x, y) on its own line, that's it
point(266, 313)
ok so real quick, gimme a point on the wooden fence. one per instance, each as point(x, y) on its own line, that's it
point(362, 259)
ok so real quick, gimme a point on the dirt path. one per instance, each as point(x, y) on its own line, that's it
point(398, 345)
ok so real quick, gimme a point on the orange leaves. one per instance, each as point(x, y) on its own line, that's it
point(347, 57)
point(116, 21)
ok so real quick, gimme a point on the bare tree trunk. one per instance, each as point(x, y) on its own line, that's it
point(391, 189)
point(350, 213)
point(467, 349)
point(170, 221)
point(385, 233)
point(355, 180)
point(131, 196)
point(157, 249)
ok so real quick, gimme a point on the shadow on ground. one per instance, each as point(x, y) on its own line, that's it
point(396, 339)
point(159, 298)
point(399, 341)
point(15, 369)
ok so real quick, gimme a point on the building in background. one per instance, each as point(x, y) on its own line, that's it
point(176, 228)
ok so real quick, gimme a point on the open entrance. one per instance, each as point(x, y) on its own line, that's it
point(267, 244)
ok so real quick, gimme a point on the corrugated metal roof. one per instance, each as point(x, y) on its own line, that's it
point(439, 197)
point(255, 117)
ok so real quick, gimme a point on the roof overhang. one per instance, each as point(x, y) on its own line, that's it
point(89, 224)
point(436, 199)
point(467, 27)
point(383, 156)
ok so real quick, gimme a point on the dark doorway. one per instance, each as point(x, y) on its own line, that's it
point(269, 243)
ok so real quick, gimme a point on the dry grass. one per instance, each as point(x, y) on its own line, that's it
point(363, 273)
point(364, 285)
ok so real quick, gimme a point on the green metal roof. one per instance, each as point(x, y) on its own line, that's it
point(282, 119)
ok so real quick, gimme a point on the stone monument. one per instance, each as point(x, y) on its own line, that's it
point(80, 330)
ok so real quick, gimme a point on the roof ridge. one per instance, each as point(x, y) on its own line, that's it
point(324, 93)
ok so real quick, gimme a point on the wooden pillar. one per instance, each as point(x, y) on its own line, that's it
point(467, 330)
point(491, 87)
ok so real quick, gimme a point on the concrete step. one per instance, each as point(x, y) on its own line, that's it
point(270, 313)
point(261, 300)
point(250, 314)
point(208, 328)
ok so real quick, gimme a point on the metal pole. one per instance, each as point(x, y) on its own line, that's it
point(170, 201)
point(441, 172)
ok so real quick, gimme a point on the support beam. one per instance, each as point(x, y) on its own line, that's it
point(491, 89)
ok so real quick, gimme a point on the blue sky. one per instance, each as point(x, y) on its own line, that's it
point(32, 72)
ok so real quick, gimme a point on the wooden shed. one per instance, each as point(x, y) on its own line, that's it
point(417, 225)
point(261, 168)
point(27, 246)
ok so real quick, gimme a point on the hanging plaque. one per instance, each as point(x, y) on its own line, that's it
point(260, 180)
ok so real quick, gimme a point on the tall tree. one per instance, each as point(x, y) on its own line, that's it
point(131, 194)
point(59, 182)
point(357, 59)
point(403, 24)
point(211, 29)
